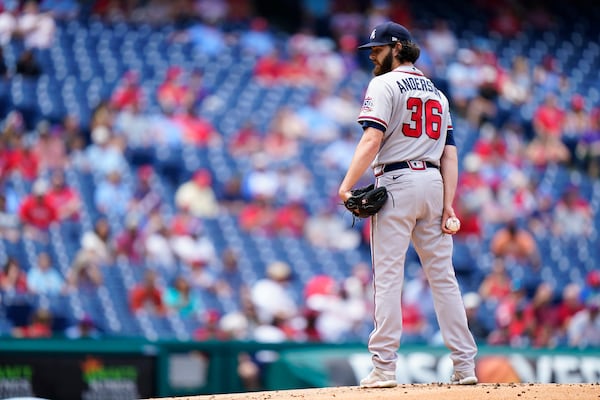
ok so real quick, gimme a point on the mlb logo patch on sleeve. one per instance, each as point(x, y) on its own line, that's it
point(367, 104)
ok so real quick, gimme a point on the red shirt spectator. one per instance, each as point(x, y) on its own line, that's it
point(64, 198)
point(37, 209)
point(497, 284)
point(269, 69)
point(506, 22)
point(548, 119)
point(24, 160)
point(147, 295)
point(172, 94)
point(257, 217)
point(129, 93)
point(246, 141)
point(40, 327)
point(196, 130)
point(290, 219)
point(570, 304)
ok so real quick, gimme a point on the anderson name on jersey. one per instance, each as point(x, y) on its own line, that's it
point(420, 130)
point(412, 83)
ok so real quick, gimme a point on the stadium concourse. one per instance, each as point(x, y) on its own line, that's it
point(156, 167)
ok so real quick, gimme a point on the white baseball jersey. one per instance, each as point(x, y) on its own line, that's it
point(417, 131)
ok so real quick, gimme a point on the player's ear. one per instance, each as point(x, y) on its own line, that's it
point(397, 49)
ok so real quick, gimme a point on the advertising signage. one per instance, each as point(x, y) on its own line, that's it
point(77, 377)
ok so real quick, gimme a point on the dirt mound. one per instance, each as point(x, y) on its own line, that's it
point(439, 391)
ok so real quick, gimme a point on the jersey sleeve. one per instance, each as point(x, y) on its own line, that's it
point(450, 132)
point(377, 106)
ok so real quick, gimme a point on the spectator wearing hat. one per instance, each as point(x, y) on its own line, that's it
point(198, 196)
point(271, 295)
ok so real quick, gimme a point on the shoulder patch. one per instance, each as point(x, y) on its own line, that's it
point(367, 104)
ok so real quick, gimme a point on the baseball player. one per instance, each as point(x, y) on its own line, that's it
point(407, 140)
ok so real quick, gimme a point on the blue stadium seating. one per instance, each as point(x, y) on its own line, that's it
point(86, 63)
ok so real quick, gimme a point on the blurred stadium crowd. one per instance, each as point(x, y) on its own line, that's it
point(163, 165)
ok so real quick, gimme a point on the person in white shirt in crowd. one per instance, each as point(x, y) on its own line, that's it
point(36, 28)
point(271, 296)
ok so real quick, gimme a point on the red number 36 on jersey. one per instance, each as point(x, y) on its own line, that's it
point(426, 115)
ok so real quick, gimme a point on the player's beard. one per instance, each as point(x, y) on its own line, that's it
point(385, 66)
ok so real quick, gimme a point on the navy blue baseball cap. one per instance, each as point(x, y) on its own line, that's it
point(387, 33)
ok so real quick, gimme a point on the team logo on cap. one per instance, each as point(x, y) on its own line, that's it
point(373, 34)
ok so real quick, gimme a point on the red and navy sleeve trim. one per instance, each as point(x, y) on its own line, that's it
point(372, 124)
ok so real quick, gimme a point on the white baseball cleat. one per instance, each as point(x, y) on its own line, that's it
point(379, 379)
point(458, 378)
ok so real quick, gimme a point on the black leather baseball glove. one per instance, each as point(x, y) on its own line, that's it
point(366, 201)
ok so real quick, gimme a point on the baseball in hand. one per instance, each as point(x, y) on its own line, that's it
point(453, 224)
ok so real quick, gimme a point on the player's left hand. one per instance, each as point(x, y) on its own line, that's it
point(448, 213)
point(366, 201)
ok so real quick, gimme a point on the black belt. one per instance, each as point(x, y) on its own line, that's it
point(404, 164)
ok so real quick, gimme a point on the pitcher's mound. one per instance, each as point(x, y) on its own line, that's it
point(436, 391)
